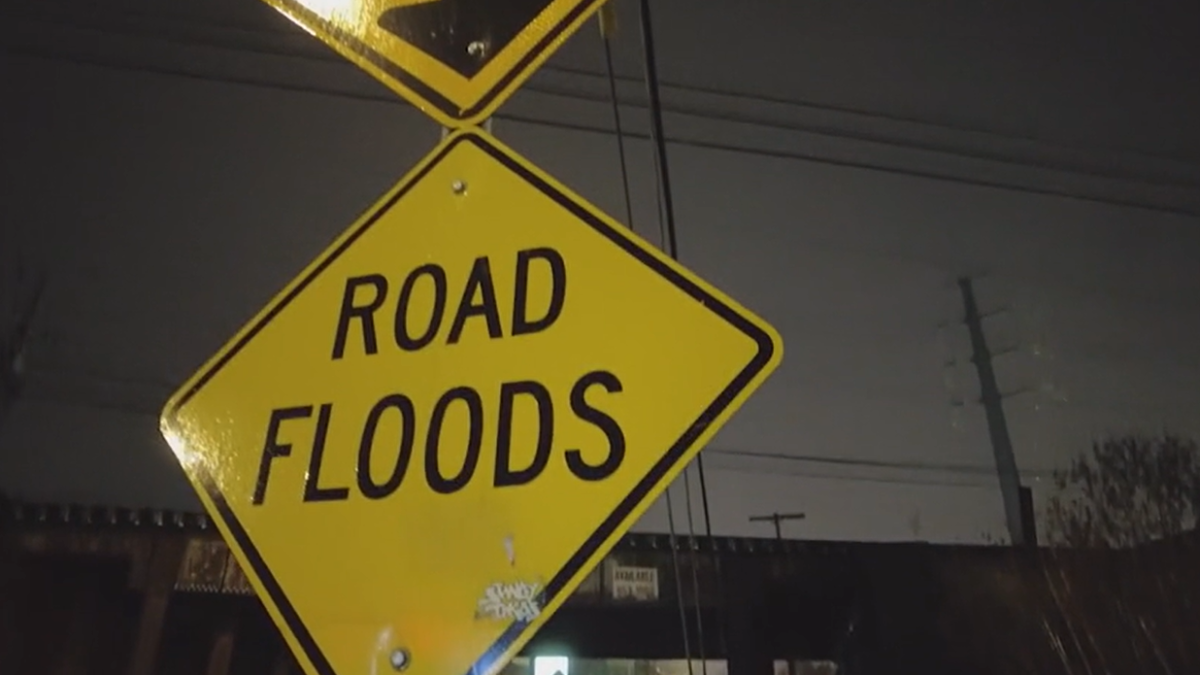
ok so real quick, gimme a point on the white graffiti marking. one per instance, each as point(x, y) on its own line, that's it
point(516, 600)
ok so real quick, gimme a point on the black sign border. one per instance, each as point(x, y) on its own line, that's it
point(595, 542)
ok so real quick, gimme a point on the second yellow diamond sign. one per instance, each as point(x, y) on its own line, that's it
point(426, 441)
point(457, 60)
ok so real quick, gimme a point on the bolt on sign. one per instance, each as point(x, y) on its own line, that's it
point(456, 60)
point(431, 436)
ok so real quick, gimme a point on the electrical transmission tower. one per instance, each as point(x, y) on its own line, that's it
point(1018, 499)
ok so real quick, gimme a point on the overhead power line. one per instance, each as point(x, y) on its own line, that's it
point(72, 10)
point(266, 83)
point(861, 462)
point(891, 465)
point(964, 481)
point(739, 118)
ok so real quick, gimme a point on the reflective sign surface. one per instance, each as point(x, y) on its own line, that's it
point(425, 442)
point(457, 60)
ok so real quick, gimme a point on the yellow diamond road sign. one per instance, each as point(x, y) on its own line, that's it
point(424, 443)
point(457, 60)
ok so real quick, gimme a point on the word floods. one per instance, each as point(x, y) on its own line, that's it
point(484, 381)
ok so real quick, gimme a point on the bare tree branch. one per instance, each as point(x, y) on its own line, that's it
point(1126, 491)
point(1117, 593)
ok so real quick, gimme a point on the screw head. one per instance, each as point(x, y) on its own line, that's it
point(400, 659)
point(477, 49)
point(459, 186)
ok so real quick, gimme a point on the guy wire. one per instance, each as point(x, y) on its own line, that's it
point(666, 214)
point(607, 20)
point(683, 622)
point(608, 26)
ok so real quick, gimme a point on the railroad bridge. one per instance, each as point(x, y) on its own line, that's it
point(102, 590)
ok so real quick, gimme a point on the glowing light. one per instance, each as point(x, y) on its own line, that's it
point(296, 21)
point(334, 8)
point(179, 446)
point(551, 665)
point(352, 14)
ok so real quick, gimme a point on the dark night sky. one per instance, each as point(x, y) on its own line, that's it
point(836, 166)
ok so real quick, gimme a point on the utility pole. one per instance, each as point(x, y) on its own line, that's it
point(1016, 500)
point(777, 519)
